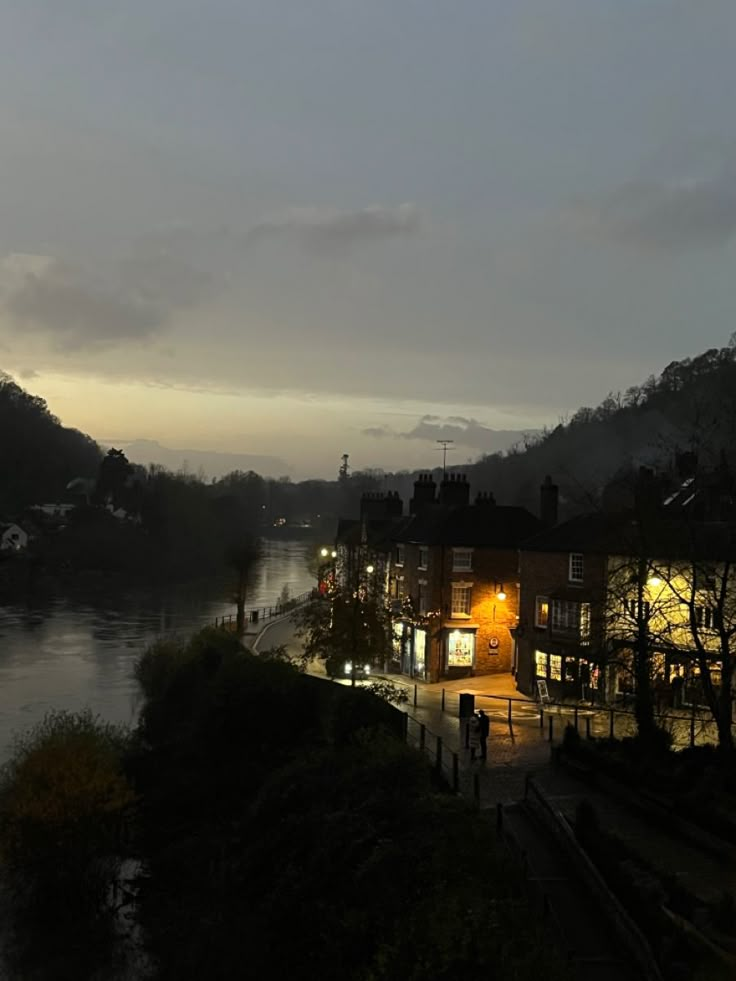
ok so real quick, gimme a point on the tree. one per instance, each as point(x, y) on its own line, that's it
point(345, 625)
point(112, 477)
point(242, 557)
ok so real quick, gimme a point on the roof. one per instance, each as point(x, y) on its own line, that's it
point(660, 535)
point(474, 525)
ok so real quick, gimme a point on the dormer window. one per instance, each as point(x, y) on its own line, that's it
point(577, 567)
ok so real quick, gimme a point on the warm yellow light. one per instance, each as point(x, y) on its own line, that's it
point(333, 553)
point(369, 569)
point(500, 595)
point(655, 581)
point(323, 553)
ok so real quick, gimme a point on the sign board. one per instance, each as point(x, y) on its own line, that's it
point(542, 691)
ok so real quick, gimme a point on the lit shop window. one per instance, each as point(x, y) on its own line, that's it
point(555, 667)
point(460, 649)
point(541, 664)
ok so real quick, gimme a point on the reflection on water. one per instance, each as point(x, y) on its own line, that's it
point(71, 653)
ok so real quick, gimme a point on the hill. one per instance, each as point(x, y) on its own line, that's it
point(38, 456)
point(691, 406)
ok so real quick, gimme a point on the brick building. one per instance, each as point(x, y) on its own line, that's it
point(453, 581)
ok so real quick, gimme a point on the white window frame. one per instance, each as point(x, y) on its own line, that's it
point(400, 554)
point(565, 616)
point(541, 664)
point(467, 588)
point(576, 563)
point(541, 612)
point(462, 560)
point(423, 597)
point(423, 555)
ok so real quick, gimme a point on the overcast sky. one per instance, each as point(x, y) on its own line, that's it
point(309, 227)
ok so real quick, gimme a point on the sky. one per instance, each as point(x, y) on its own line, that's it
point(308, 227)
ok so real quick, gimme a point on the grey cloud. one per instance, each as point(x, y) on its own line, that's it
point(328, 229)
point(62, 301)
point(463, 431)
point(75, 309)
point(671, 216)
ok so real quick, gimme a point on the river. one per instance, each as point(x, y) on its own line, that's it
point(69, 653)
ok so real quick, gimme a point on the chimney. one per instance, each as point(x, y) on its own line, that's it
point(455, 491)
point(424, 490)
point(394, 505)
point(548, 500)
point(485, 499)
point(375, 505)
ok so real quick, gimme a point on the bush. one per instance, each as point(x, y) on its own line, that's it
point(63, 797)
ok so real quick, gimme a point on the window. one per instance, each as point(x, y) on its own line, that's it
point(460, 649)
point(585, 623)
point(400, 587)
point(565, 616)
point(461, 599)
point(423, 598)
point(400, 554)
point(423, 557)
point(636, 610)
point(576, 567)
point(462, 559)
point(705, 617)
point(555, 667)
point(541, 612)
point(541, 664)
point(569, 669)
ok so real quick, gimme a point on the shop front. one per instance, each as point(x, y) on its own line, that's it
point(568, 675)
point(459, 651)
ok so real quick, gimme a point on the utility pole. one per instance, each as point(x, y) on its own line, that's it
point(444, 443)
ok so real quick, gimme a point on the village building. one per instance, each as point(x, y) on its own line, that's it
point(453, 581)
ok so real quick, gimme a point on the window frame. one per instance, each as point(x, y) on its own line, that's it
point(456, 553)
point(541, 612)
point(467, 588)
point(400, 554)
point(423, 555)
point(576, 559)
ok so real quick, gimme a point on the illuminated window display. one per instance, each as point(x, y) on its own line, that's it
point(460, 649)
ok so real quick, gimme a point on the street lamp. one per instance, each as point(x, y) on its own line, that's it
point(369, 569)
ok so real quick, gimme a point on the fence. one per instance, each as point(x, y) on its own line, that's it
point(694, 727)
point(229, 621)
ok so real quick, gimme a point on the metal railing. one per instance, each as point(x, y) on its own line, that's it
point(693, 727)
point(262, 613)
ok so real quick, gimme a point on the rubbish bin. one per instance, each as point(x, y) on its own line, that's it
point(467, 705)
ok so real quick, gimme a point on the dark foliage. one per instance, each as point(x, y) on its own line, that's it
point(285, 832)
point(38, 456)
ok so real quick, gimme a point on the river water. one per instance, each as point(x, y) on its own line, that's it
point(69, 653)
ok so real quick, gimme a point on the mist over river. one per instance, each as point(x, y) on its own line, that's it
point(75, 650)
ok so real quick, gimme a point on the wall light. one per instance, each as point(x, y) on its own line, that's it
point(500, 593)
point(323, 552)
point(369, 569)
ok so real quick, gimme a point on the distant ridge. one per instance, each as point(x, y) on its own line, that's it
point(214, 463)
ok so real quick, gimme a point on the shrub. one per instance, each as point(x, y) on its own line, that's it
point(63, 796)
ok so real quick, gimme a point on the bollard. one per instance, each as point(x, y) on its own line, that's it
point(692, 726)
point(455, 773)
point(551, 725)
point(467, 735)
point(510, 723)
point(415, 695)
point(422, 735)
point(587, 727)
point(443, 699)
point(610, 726)
point(438, 759)
point(576, 718)
point(541, 717)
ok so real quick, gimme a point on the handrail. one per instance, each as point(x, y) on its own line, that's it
point(266, 612)
point(628, 932)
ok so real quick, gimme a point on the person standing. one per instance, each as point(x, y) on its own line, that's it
point(485, 725)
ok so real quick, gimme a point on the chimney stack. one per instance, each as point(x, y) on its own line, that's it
point(455, 491)
point(549, 494)
point(424, 491)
